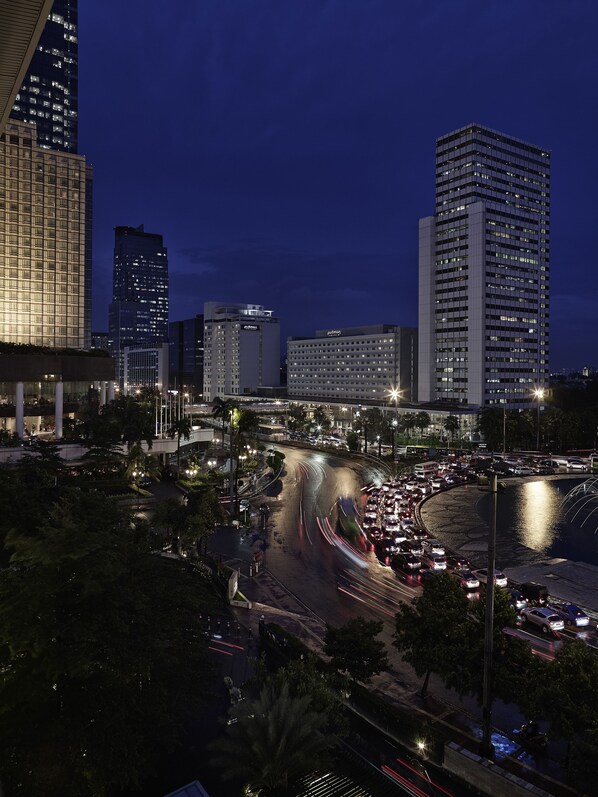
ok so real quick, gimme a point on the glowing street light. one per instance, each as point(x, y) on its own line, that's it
point(539, 394)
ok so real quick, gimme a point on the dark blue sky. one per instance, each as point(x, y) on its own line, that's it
point(285, 148)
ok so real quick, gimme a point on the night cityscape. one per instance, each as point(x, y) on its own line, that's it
point(298, 399)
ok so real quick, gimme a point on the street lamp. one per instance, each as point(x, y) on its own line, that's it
point(539, 395)
point(379, 445)
point(137, 475)
point(394, 425)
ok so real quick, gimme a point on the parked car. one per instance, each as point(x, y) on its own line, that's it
point(570, 613)
point(544, 618)
point(466, 579)
point(433, 546)
point(577, 464)
point(534, 593)
point(500, 580)
point(406, 562)
point(435, 561)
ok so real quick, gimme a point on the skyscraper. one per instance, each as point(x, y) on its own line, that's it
point(45, 274)
point(186, 354)
point(138, 312)
point(484, 272)
point(49, 94)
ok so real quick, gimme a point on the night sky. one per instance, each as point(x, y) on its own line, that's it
point(285, 148)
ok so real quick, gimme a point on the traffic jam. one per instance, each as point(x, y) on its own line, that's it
point(389, 524)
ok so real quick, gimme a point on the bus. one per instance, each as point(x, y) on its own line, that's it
point(593, 463)
point(426, 468)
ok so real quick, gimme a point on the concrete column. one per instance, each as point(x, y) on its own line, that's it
point(19, 410)
point(111, 390)
point(59, 411)
point(102, 393)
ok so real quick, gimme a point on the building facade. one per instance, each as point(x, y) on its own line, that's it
point(354, 364)
point(484, 272)
point(145, 366)
point(138, 313)
point(187, 355)
point(45, 254)
point(241, 349)
point(49, 94)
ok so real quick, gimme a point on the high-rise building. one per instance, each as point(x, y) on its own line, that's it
point(356, 364)
point(241, 349)
point(138, 313)
point(45, 273)
point(49, 94)
point(186, 355)
point(484, 272)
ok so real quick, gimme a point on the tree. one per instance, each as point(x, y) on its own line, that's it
point(566, 696)
point(180, 428)
point(422, 421)
point(275, 460)
point(490, 425)
point(321, 419)
point(352, 441)
point(170, 515)
point(222, 409)
point(427, 631)
point(451, 425)
point(99, 671)
point(407, 423)
point(204, 513)
point(273, 740)
point(297, 418)
point(353, 648)
point(127, 420)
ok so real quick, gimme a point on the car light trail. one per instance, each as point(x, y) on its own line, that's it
point(324, 531)
point(424, 777)
point(406, 784)
point(223, 652)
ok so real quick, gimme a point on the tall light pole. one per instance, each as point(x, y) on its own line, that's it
point(394, 425)
point(539, 395)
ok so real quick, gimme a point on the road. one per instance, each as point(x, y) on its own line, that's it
point(305, 553)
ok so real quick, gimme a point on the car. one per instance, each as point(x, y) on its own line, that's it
point(433, 546)
point(435, 561)
point(543, 617)
point(457, 562)
point(426, 575)
point(466, 579)
point(577, 464)
point(405, 561)
point(517, 600)
point(545, 470)
point(534, 593)
point(570, 613)
point(500, 580)
point(522, 470)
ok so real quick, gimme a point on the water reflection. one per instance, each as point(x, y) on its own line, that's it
point(538, 515)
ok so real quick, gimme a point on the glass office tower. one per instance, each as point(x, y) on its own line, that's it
point(49, 95)
point(484, 272)
point(138, 312)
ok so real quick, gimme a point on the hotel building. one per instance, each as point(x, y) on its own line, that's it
point(484, 272)
point(241, 349)
point(358, 364)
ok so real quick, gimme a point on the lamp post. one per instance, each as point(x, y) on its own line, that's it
point(378, 438)
point(539, 395)
point(137, 475)
point(394, 425)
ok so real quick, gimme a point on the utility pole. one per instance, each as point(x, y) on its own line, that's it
point(487, 748)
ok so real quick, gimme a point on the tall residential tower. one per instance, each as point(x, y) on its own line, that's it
point(484, 272)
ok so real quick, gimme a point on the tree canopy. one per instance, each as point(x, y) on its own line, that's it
point(353, 648)
point(99, 670)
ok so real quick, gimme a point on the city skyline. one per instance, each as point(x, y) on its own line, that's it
point(286, 153)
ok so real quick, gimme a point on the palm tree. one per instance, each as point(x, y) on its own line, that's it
point(139, 465)
point(276, 740)
point(451, 425)
point(422, 421)
point(222, 409)
point(180, 428)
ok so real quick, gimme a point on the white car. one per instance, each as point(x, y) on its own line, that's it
point(500, 580)
point(435, 561)
point(433, 546)
point(545, 618)
point(577, 464)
